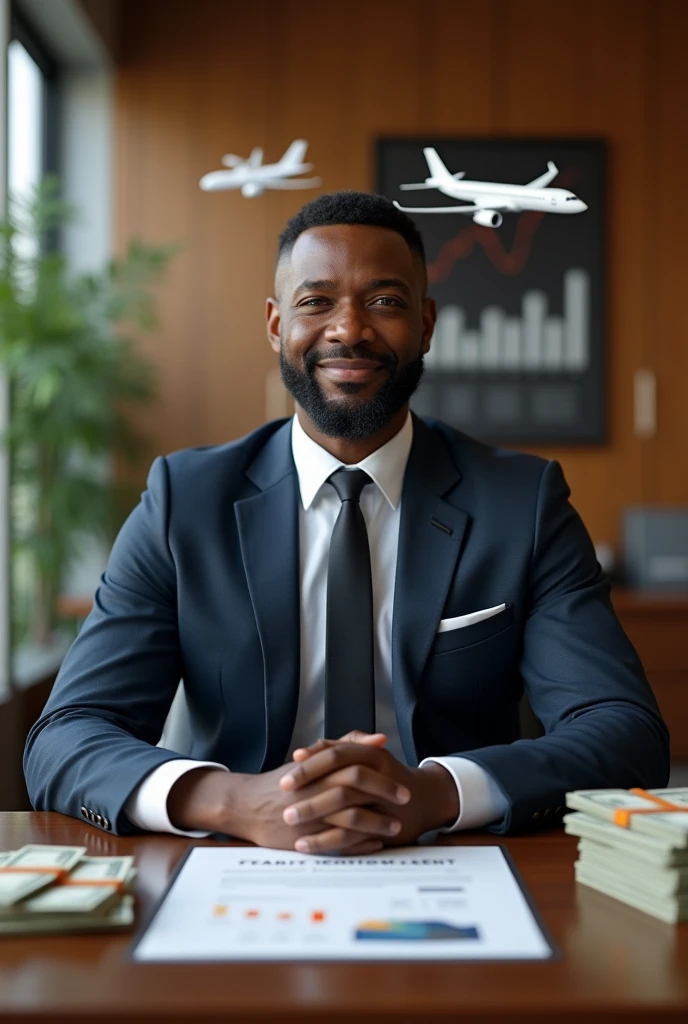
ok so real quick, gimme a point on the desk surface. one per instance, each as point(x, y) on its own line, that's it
point(615, 962)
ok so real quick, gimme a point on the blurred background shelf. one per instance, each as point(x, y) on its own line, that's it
point(657, 624)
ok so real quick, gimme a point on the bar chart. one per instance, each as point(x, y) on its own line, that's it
point(534, 342)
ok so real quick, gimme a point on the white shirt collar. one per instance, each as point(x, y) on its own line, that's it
point(386, 466)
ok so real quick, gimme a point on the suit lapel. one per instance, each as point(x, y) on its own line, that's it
point(430, 536)
point(269, 537)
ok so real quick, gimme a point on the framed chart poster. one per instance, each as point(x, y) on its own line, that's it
point(518, 350)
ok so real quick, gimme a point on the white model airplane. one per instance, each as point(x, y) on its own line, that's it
point(252, 176)
point(488, 200)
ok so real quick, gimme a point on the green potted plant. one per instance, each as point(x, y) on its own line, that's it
point(73, 369)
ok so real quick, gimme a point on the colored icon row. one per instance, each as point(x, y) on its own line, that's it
point(221, 910)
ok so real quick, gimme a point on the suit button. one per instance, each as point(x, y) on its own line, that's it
point(99, 820)
point(560, 811)
point(84, 812)
point(548, 813)
point(106, 823)
point(91, 816)
point(536, 816)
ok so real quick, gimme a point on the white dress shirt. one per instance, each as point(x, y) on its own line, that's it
point(480, 799)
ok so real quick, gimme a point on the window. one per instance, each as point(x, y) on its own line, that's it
point(31, 97)
point(25, 118)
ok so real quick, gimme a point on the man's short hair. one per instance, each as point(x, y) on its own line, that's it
point(351, 208)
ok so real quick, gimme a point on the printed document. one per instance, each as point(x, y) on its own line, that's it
point(414, 903)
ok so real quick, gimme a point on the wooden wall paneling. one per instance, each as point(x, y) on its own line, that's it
point(671, 691)
point(561, 81)
point(386, 39)
point(459, 46)
point(190, 89)
point(357, 78)
point(154, 114)
point(543, 65)
point(234, 88)
point(614, 106)
point(656, 625)
point(397, 110)
point(667, 160)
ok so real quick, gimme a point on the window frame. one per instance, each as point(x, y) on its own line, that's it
point(24, 33)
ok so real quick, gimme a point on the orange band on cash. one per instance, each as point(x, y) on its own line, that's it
point(58, 873)
point(622, 816)
point(115, 884)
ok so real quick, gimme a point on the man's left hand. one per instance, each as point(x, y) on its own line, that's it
point(433, 799)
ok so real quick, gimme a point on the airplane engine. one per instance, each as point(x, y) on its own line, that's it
point(488, 218)
point(251, 189)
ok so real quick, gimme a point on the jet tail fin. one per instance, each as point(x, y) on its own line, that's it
point(438, 172)
point(294, 154)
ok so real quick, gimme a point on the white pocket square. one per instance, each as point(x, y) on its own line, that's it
point(459, 621)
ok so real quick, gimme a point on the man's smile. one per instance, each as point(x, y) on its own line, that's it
point(354, 370)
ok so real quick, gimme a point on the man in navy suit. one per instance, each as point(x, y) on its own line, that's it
point(479, 581)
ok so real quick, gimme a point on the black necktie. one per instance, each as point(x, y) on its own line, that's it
point(349, 668)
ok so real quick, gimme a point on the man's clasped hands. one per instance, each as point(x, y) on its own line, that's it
point(347, 796)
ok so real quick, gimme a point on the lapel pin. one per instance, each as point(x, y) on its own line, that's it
point(441, 526)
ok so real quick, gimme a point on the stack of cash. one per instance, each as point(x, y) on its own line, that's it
point(47, 889)
point(640, 859)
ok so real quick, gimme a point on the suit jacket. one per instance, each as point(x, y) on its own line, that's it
point(203, 583)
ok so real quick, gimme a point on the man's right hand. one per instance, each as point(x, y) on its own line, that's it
point(252, 806)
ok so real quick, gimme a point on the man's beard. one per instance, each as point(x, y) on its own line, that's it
point(359, 418)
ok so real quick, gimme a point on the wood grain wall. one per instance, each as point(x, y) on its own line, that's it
point(198, 79)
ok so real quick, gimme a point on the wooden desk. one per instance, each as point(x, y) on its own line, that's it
point(616, 963)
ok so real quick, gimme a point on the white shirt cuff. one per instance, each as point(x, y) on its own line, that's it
point(147, 805)
point(481, 801)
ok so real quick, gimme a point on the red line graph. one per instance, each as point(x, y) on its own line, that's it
point(509, 262)
point(506, 262)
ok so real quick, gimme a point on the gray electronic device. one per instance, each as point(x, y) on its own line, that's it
point(655, 542)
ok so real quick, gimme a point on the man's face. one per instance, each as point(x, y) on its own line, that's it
point(351, 324)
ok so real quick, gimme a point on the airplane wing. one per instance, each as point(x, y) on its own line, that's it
point(439, 209)
point(292, 183)
point(544, 179)
point(484, 204)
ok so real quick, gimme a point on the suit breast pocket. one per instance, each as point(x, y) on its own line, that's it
point(479, 632)
point(469, 691)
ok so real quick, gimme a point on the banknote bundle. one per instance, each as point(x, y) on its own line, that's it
point(633, 845)
point(50, 889)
